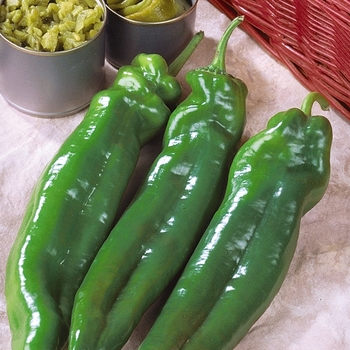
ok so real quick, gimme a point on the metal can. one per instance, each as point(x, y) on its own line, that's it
point(52, 84)
point(127, 38)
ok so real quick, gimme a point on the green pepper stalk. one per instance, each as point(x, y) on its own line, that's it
point(244, 255)
point(74, 203)
point(156, 235)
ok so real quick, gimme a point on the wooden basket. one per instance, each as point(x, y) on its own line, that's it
point(310, 37)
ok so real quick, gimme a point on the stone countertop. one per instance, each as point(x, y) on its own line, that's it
point(312, 309)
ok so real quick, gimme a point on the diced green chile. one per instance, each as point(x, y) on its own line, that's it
point(244, 255)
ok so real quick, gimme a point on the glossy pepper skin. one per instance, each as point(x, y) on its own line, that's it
point(74, 203)
point(154, 238)
point(244, 255)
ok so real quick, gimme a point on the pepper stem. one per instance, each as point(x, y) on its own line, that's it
point(310, 99)
point(178, 63)
point(219, 58)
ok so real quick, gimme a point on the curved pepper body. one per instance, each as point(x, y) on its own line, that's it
point(74, 203)
point(156, 235)
point(244, 255)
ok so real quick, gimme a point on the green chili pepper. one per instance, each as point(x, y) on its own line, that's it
point(74, 203)
point(156, 235)
point(244, 255)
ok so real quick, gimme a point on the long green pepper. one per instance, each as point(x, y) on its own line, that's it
point(244, 255)
point(154, 238)
point(74, 203)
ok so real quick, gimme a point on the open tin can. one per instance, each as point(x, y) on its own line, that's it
point(52, 84)
point(126, 38)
